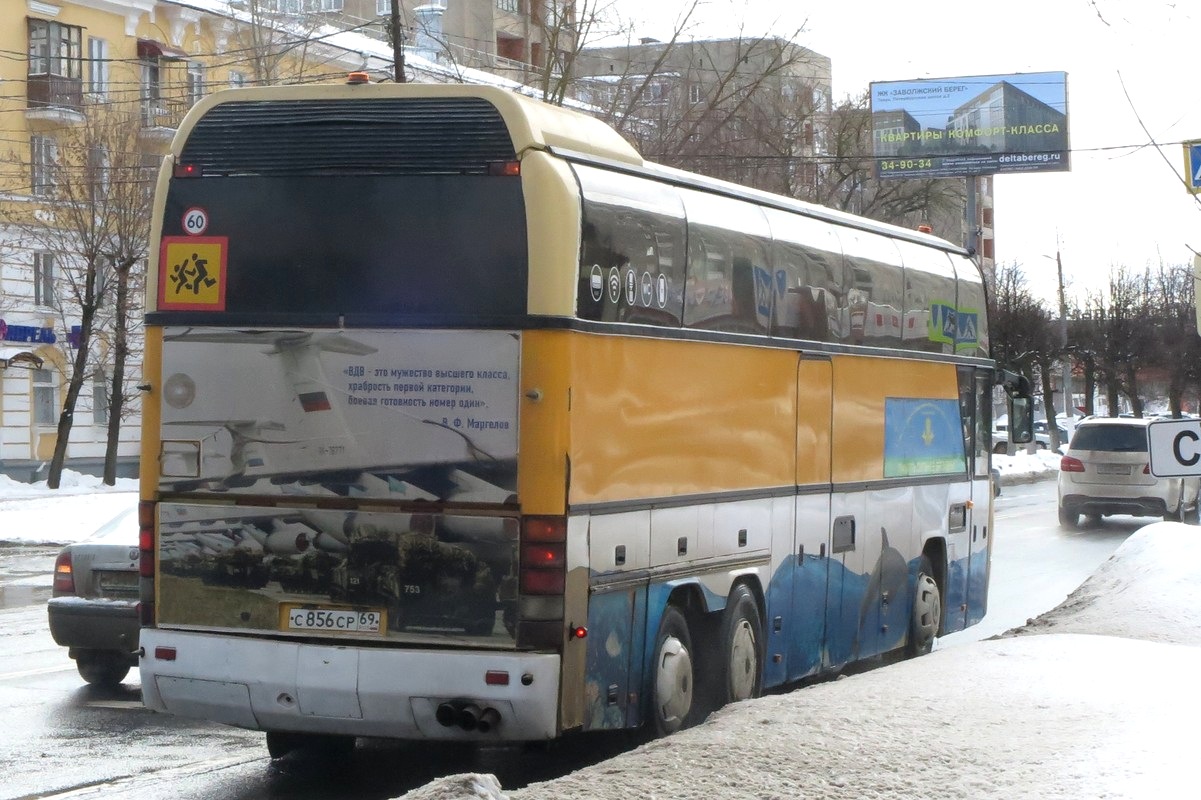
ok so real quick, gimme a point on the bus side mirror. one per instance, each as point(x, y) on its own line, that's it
point(1021, 419)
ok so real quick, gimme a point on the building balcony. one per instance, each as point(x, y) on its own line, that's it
point(54, 100)
point(161, 118)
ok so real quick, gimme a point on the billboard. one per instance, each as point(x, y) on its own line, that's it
point(982, 125)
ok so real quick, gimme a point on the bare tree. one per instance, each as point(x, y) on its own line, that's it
point(93, 216)
point(847, 181)
point(1176, 347)
point(1021, 331)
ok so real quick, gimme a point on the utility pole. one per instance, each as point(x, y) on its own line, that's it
point(398, 49)
point(1063, 340)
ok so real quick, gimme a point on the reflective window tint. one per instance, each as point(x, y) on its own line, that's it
point(877, 289)
point(730, 284)
point(931, 316)
point(810, 278)
point(632, 260)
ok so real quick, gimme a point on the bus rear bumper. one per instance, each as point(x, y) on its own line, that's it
point(276, 685)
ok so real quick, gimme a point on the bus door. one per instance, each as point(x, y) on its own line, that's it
point(969, 524)
point(979, 521)
point(811, 546)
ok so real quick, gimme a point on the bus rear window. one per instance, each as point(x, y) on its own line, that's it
point(372, 249)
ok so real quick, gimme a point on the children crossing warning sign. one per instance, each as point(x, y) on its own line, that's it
point(191, 273)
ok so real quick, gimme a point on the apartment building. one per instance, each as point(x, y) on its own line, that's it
point(93, 93)
point(745, 109)
point(514, 39)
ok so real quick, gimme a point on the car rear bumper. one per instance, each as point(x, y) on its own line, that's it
point(1135, 506)
point(82, 624)
point(339, 688)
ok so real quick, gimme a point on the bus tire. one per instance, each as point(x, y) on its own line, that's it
point(741, 654)
point(926, 619)
point(672, 693)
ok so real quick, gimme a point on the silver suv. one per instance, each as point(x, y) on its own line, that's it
point(1106, 470)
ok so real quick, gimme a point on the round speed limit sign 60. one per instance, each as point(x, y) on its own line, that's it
point(195, 221)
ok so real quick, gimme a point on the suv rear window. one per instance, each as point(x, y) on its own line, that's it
point(1111, 438)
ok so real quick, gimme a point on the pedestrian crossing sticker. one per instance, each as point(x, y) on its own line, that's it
point(191, 273)
point(1192, 166)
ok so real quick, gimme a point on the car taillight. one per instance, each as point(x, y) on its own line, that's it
point(1069, 464)
point(146, 564)
point(64, 577)
point(542, 581)
point(1146, 469)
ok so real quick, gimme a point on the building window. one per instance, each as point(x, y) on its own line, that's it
point(237, 79)
point(54, 49)
point(45, 397)
point(43, 279)
point(152, 93)
point(43, 158)
point(97, 67)
point(289, 7)
point(694, 93)
point(383, 8)
point(324, 5)
point(195, 86)
point(100, 398)
point(98, 170)
point(507, 5)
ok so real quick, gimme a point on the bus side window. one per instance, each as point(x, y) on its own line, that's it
point(632, 256)
point(807, 262)
point(730, 286)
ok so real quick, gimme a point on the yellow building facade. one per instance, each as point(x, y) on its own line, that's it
point(93, 93)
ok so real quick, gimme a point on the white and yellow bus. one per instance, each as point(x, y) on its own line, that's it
point(463, 422)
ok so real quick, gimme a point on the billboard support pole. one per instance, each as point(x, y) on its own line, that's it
point(972, 241)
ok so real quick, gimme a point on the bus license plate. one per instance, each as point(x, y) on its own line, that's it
point(334, 620)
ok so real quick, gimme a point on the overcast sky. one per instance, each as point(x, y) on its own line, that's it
point(1123, 201)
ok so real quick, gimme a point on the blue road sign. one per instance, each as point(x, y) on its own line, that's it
point(1192, 165)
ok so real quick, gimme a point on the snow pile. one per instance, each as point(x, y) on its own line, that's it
point(70, 482)
point(33, 514)
point(1023, 467)
point(1057, 715)
point(1145, 591)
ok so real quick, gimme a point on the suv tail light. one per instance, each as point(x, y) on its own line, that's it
point(1069, 464)
point(64, 577)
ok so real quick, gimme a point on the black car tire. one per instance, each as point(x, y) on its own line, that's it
point(1069, 519)
point(102, 667)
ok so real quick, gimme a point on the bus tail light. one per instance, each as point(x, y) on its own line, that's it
point(146, 562)
point(542, 581)
point(506, 168)
point(187, 171)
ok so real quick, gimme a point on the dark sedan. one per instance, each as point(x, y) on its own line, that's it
point(93, 610)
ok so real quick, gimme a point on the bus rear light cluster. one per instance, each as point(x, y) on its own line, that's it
point(146, 562)
point(542, 581)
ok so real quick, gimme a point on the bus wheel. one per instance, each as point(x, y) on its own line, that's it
point(927, 611)
point(673, 689)
point(742, 647)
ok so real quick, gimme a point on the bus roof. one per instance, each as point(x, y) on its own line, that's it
point(532, 123)
point(535, 125)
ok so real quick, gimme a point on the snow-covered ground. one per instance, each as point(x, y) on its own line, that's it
point(1095, 698)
